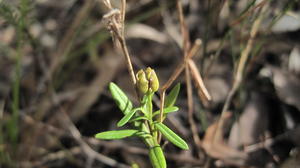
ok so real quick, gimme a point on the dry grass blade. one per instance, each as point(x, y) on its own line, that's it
point(193, 125)
point(235, 22)
point(241, 65)
point(180, 66)
point(202, 91)
point(107, 4)
point(183, 28)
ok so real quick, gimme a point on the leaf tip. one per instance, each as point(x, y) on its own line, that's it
point(97, 136)
point(185, 147)
point(120, 124)
point(111, 84)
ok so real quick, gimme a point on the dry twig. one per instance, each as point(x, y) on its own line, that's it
point(188, 53)
point(115, 21)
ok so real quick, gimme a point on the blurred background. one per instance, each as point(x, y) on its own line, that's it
point(57, 58)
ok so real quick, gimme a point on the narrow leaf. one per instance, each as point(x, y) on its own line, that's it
point(143, 135)
point(171, 136)
point(124, 104)
point(167, 110)
point(127, 117)
point(119, 134)
point(138, 119)
point(147, 107)
point(157, 157)
point(172, 96)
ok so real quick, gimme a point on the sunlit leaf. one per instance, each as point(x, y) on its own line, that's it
point(171, 136)
point(119, 134)
point(138, 119)
point(147, 108)
point(127, 117)
point(143, 135)
point(167, 110)
point(172, 96)
point(124, 104)
point(157, 157)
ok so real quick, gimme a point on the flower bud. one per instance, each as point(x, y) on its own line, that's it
point(153, 80)
point(142, 82)
point(147, 81)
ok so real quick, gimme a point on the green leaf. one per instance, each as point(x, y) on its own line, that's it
point(124, 104)
point(171, 136)
point(147, 106)
point(157, 157)
point(119, 134)
point(127, 117)
point(143, 135)
point(138, 119)
point(167, 110)
point(172, 96)
point(144, 128)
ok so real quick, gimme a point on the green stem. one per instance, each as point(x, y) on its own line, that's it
point(154, 132)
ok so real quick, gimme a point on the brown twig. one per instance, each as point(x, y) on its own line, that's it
point(123, 12)
point(188, 52)
point(116, 23)
point(191, 121)
point(183, 28)
point(180, 67)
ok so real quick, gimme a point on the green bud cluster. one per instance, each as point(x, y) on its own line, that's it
point(147, 81)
